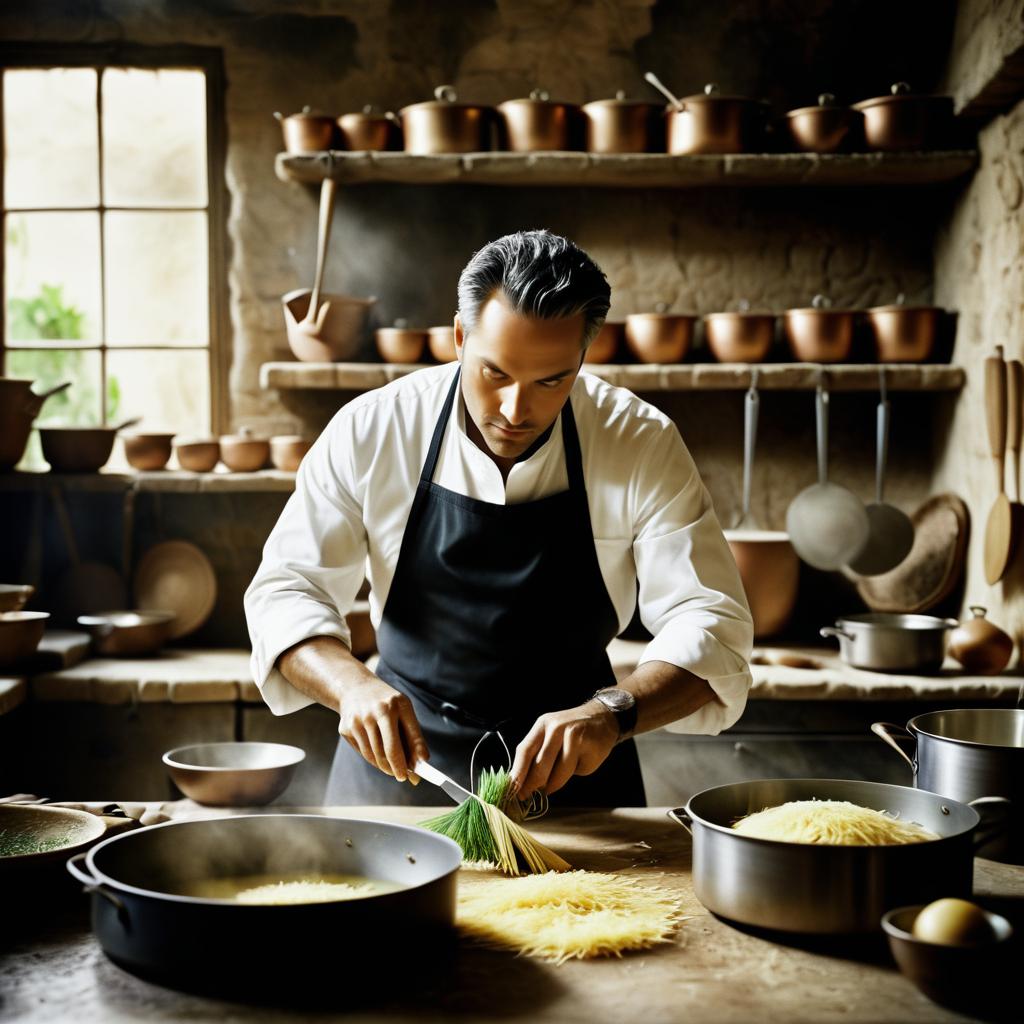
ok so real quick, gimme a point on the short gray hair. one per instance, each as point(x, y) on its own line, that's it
point(540, 274)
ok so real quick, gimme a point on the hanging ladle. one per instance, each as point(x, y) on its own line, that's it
point(891, 533)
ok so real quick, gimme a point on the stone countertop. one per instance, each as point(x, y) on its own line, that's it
point(186, 675)
point(55, 970)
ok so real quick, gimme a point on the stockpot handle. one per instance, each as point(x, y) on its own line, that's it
point(998, 822)
point(892, 734)
point(828, 631)
point(681, 816)
point(93, 884)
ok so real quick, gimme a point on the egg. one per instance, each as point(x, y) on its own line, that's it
point(953, 922)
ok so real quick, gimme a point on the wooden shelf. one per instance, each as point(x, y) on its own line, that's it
point(646, 377)
point(629, 170)
point(164, 481)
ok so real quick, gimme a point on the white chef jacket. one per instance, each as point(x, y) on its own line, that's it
point(650, 513)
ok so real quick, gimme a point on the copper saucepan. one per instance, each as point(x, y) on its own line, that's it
point(825, 128)
point(537, 124)
point(740, 336)
point(308, 131)
point(904, 334)
point(442, 125)
point(369, 130)
point(620, 125)
point(906, 121)
point(818, 333)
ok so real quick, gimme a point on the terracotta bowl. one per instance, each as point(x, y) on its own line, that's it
point(20, 633)
point(77, 449)
point(198, 456)
point(287, 451)
point(659, 337)
point(243, 453)
point(442, 343)
point(401, 344)
point(739, 337)
point(770, 571)
point(147, 451)
point(607, 345)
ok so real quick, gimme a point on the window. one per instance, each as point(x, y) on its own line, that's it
point(113, 247)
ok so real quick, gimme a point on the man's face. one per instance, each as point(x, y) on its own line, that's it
point(517, 372)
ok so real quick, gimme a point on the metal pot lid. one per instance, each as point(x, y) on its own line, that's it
point(899, 304)
point(369, 114)
point(895, 620)
point(305, 114)
point(820, 304)
point(445, 98)
point(619, 100)
point(900, 93)
point(711, 95)
point(826, 102)
point(537, 98)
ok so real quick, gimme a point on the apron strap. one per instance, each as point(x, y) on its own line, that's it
point(430, 463)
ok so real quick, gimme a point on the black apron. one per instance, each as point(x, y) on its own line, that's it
point(496, 615)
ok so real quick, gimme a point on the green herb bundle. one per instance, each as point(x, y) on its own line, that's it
point(487, 829)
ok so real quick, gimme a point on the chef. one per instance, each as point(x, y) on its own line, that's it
point(509, 510)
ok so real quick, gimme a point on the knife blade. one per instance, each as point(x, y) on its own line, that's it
point(435, 777)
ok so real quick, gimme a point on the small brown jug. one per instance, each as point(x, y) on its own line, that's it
point(980, 646)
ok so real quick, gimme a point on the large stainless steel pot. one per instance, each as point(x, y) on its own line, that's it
point(965, 754)
point(146, 926)
point(885, 642)
point(808, 888)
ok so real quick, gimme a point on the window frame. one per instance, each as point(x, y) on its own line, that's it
point(209, 60)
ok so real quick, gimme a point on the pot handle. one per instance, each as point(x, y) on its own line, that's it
point(827, 631)
point(993, 824)
point(93, 884)
point(888, 733)
point(681, 816)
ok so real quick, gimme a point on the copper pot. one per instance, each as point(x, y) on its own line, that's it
point(19, 406)
point(623, 126)
point(401, 344)
point(819, 334)
point(20, 633)
point(147, 451)
point(770, 571)
point(606, 346)
point(309, 131)
point(442, 343)
point(198, 455)
point(739, 337)
point(442, 125)
point(287, 451)
point(904, 334)
point(537, 124)
point(826, 128)
point(710, 123)
point(79, 449)
point(659, 337)
point(128, 634)
point(369, 130)
point(905, 121)
point(244, 453)
point(980, 645)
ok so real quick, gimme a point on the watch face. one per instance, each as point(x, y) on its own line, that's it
point(617, 700)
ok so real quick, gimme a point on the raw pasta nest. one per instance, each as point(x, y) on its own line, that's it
point(831, 822)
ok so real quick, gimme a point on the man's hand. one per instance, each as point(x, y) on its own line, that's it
point(562, 744)
point(380, 723)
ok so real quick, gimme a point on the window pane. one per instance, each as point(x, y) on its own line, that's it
point(52, 278)
point(50, 138)
point(170, 390)
point(154, 137)
point(157, 278)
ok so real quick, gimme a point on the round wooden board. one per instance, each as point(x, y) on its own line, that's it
point(175, 576)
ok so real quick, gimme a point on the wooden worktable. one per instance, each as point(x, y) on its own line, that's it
point(711, 972)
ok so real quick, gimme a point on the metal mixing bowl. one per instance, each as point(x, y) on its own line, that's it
point(233, 774)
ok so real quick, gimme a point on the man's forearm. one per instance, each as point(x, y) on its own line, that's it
point(322, 667)
point(665, 693)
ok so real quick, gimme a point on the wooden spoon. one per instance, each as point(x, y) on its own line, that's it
point(999, 528)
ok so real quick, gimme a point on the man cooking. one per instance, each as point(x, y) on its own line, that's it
point(508, 511)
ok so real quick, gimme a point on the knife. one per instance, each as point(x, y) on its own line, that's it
point(435, 777)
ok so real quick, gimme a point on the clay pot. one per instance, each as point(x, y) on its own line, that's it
point(442, 125)
point(147, 451)
point(341, 321)
point(659, 337)
point(442, 343)
point(606, 346)
point(14, 596)
point(826, 128)
point(19, 406)
point(369, 130)
point(20, 633)
point(198, 456)
point(536, 124)
point(819, 334)
point(770, 571)
point(979, 645)
point(244, 453)
point(905, 121)
point(401, 344)
point(287, 451)
point(904, 334)
point(739, 337)
point(623, 126)
point(309, 131)
point(78, 449)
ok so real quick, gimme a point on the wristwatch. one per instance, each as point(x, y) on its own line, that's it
point(622, 704)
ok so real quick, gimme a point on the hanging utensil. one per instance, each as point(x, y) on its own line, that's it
point(891, 533)
point(827, 523)
point(999, 528)
point(751, 408)
point(1014, 430)
point(651, 77)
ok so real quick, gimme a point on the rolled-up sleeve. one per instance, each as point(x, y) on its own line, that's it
point(313, 565)
point(691, 597)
